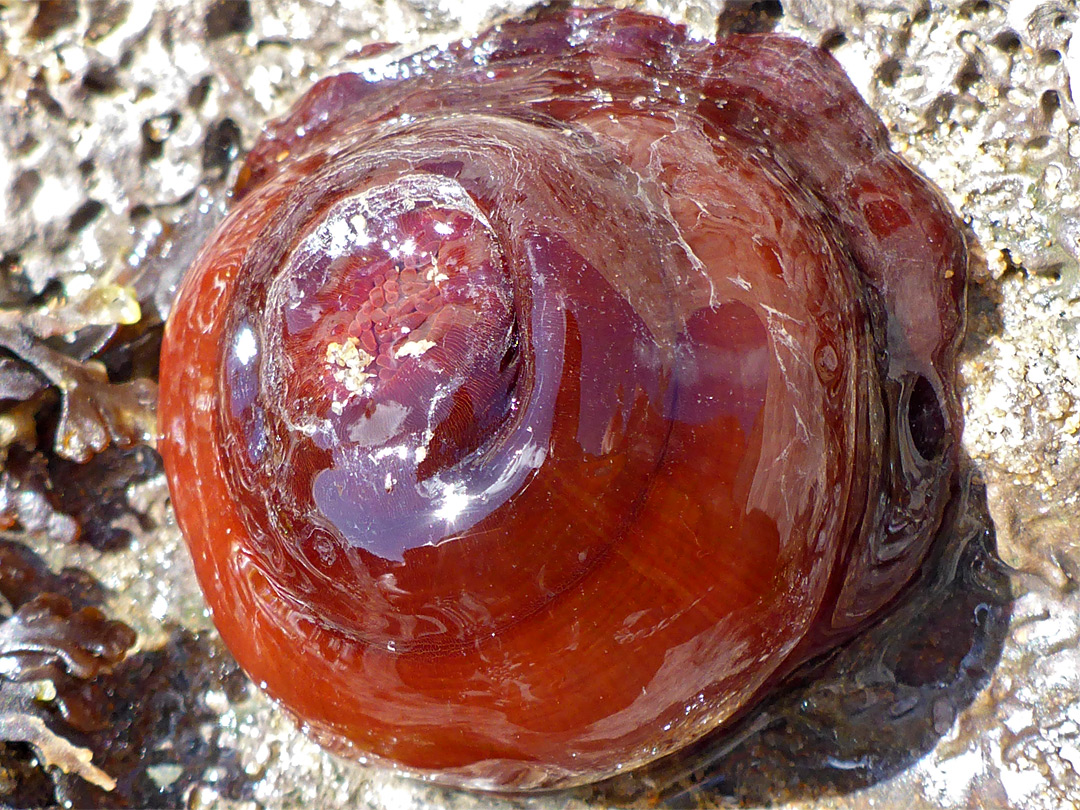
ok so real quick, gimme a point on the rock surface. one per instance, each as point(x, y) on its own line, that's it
point(121, 124)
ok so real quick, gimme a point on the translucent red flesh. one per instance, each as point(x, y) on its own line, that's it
point(538, 407)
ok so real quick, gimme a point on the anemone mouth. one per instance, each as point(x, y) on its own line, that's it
point(382, 279)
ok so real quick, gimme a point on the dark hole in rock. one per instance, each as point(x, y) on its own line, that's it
point(155, 132)
point(888, 72)
point(100, 79)
point(1049, 103)
point(25, 187)
point(1008, 41)
point(749, 18)
point(226, 17)
point(84, 215)
point(221, 146)
point(197, 95)
point(52, 15)
point(14, 286)
point(39, 96)
point(54, 288)
point(940, 109)
point(139, 212)
point(970, 9)
point(105, 17)
point(27, 144)
point(833, 40)
point(968, 75)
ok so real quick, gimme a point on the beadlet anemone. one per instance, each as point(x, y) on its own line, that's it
point(543, 402)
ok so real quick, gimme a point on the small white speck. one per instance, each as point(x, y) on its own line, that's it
point(436, 276)
point(359, 226)
point(246, 348)
point(413, 348)
point(160, 607)
point(347, 362)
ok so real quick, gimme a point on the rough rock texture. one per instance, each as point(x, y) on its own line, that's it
point(121, 120)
